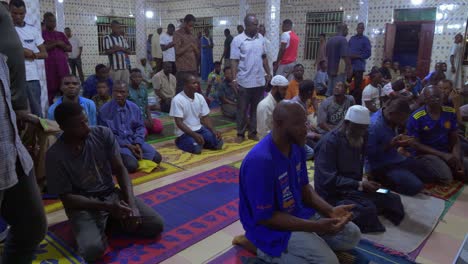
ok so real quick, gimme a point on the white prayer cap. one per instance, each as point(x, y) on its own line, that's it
point(358, 114)
point(279, 80)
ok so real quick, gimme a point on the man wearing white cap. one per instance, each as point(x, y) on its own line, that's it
point(267, 105)
point(338, 177)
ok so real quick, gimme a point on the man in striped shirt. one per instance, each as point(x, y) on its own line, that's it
point(116, 47)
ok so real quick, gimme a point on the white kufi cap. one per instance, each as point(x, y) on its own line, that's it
point(279, 80)
point(358, 114)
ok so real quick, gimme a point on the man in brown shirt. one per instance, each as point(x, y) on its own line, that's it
point(187, 51)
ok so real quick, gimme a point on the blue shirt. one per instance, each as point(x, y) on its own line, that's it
point(360, 46)
point(125, 122)
point(338, 166)
point(271, 182)
point(89, 86)
point(433, 133)
point(380, 135)
point(88, 106)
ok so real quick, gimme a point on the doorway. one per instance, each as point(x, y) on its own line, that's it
point(409, 39)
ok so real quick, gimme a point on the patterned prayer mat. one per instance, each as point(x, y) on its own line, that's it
point(443, 191)
point(192, 209)
point(365, 252)
point(171, 154)
point(54, 251)
point(137, 178)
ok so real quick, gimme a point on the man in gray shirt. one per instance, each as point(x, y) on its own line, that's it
point(79, 169)
point(333, 109)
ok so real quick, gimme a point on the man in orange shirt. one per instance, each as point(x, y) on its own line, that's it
point(293, 88)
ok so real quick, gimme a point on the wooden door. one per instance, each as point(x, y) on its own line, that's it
point(426, 37)
point(389, 44)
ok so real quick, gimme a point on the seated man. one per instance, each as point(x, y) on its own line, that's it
point(102, 95)
point(228, 95)
point(139, 95)
point(79, 169)
point(338, 174)
point(194, 129)
point(164, 84)
point(333, 109)
point(124, 119)
point(321, 78)
point(70, 88)
point(434, 128)
point(451, 97)
point(284, 219)
point(401, 174)
point(372, 94)
point(90, 85)
point(267, 105)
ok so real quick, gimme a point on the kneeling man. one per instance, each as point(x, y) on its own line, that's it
point(284, 218)
point(338, 177)
point(79, 169)
point(125, 120)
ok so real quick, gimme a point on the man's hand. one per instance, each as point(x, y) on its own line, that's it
point(451, 160)
point(120, 210)
point(341, 211)
point(28, 54)
point(136, 150)
point(60, 44)
point(402, 141)
point(370, 186)
point(133, 221)
point(331, 226)
point(199, 139)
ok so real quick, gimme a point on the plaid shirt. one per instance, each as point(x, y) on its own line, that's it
point(11, 147)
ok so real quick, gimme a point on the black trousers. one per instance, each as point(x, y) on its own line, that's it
point(22, 209)
point(357, 92)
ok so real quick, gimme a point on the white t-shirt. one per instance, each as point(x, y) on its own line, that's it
point(285, 38)
point(30, 38)
point(373, 94)
point(190, 110)
point(168, 55)
point(76, 45)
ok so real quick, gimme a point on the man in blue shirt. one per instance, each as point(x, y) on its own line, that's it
point(338, 56)
point(434, 127)
point(389, 167)
point(359, 52)
point(339, 179)
point(278, 205)
point(90, 85)
point(71, 89)
point(125, 120)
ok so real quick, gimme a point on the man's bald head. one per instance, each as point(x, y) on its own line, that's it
point(289, 123)
point(251, 25)
point(432, 96)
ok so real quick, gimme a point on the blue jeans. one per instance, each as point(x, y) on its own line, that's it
point(188, 143)
point(34, 97)
point(332, 81)
point(305, 247)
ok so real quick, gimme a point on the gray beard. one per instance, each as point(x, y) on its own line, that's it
point(354, 142)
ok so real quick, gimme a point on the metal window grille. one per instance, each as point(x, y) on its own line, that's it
point(103, 24)
point(317, 23)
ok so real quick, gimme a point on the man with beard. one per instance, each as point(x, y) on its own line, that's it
point(284, 219)
point(338, 177)
point(267, 105)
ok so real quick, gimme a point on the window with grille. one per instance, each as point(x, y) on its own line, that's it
point(316, 24)
point(103, 24)
point(201, 23)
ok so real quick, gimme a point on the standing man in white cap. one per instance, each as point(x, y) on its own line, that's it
point(339, 162)
point(267, 105)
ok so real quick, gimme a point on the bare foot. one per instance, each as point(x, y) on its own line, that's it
point(239, 139)
point(243, 242)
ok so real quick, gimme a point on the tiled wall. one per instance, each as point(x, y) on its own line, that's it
point(79, 14)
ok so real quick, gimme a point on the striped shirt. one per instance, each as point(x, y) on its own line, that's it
point(249, 52)
point(11, 148)
point(116, 59)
